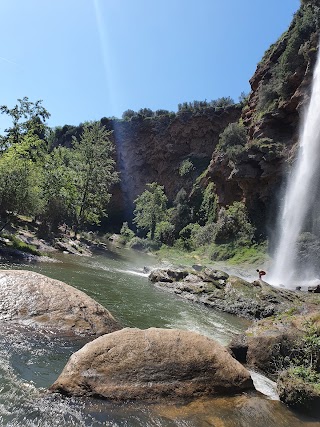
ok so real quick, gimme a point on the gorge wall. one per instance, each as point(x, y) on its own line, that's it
point(279, 93)
point(153, 149)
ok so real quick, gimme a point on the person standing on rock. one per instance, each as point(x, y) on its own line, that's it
point(261, 273)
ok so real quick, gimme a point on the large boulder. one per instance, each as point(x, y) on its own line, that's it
point(134, 364)
point(35, 300)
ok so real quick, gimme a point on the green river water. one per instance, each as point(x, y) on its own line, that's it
point(115, 279)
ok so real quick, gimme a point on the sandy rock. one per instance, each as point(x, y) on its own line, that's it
point(134, 364)
point(36, 300)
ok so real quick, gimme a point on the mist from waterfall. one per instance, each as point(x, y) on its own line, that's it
point(300, 197)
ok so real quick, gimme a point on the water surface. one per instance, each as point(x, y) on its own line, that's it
point(29, 364)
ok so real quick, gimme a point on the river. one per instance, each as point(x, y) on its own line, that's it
point(115, 278)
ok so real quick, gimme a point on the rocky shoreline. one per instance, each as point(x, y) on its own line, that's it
point(231, 294)
point(283, 343)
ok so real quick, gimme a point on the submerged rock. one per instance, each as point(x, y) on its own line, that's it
point(134, 364)
point(35, 300)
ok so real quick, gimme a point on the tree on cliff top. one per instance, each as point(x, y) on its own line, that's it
point(151, 208)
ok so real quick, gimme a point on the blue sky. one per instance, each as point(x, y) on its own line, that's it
point(88, 59)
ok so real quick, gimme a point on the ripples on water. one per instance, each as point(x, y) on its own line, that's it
point(30, 363)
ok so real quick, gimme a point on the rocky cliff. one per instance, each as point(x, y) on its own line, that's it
point(153, 149)
point(280, 91)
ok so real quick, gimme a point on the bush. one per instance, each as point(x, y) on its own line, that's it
point(186, 167)
point(204, 235)
point(233, 225)
point(165, 232)
point(222, 102)
point(232, 140)
point(126, 233)
point(187, 235)
point(268, 93)
point(128, 114)
point(143, 245)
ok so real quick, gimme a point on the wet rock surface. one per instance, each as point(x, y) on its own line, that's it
point(37, 301)
point(216, 289)
point(134, 364)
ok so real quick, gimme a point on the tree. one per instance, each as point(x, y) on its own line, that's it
point(181, 213)
point(151, 208)
point(233, 224)
point(95, 174)
point(20, 181)
point(26, 117)
point(128, 114)
point(59, 191)
point(209, 205)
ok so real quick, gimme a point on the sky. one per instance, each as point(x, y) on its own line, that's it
point(88, 59)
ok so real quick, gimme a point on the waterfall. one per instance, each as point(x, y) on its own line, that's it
point(300, 194)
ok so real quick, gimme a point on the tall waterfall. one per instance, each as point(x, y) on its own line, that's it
point(300, 194)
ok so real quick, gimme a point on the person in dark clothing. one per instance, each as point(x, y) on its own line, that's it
point(261, 273)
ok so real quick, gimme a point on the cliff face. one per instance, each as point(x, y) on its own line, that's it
point(280, 92)
point(154, 149)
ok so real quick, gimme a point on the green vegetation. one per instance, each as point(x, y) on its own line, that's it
point(150, 209)
point(126, 233)
point(219, 233)
point(193, 107)
point(292, 49)
point(92, 160)
point(232, 140)
point(186, 167)
point(16, 243)
point(299, 380)
point(55, 185)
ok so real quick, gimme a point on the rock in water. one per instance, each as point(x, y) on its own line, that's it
point(38, 301)
point(134, 364)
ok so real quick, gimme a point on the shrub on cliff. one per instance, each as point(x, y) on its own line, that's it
point(186, 167)
point(232, 140)
point(128, 114)
point(280, 84)
point(209, 206)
